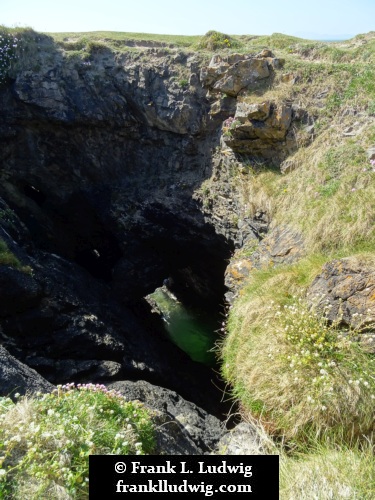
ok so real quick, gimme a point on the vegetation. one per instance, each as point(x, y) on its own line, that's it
point(45, 441)
point(7, 258)
point(299, 375)
point(327, 472)
point(214, 40)
point(308, 382)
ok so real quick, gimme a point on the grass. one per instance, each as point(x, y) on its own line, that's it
point(328, 472)
point(45, 440)
point(7, 258)
point(306, 382)
point(291, 369)
point(116, 39)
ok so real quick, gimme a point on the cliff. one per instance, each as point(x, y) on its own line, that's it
point(125, 163)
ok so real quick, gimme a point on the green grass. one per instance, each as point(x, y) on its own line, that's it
point(7, 258)
point(118, 39)
point(45, 440)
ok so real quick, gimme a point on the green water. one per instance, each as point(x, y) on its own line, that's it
point(189, 330)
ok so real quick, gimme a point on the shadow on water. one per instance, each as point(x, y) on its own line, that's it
point(190, 329)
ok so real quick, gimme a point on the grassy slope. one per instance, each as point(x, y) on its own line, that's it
point(287, 368)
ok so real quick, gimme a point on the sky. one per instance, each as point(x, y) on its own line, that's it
point(319, 19)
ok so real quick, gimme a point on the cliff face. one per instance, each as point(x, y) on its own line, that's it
point(103, 163)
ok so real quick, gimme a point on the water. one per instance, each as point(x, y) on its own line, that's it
point(191, 331)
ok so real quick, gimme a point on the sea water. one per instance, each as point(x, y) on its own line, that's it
point(191, 330)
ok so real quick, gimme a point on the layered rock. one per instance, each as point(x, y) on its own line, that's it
point(235, 72)
point(282, 245)
point(344, 292)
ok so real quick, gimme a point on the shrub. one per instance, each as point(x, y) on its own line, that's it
point(214, 40)
point(45, 440)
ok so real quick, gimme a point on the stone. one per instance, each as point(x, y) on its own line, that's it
point(345, 292)
point(223, 107)
point(282, 245)
point(18, 291)
point(243, 439)
point(15, 377)
point(184, 428)
point(261, 130)
point(241, 75)
point(265, 53)
point(245, 112)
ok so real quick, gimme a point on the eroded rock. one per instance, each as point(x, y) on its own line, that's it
point(282, 245)
point(184, 427)
point(345, 291)
point(231, 74)
point(15, 377)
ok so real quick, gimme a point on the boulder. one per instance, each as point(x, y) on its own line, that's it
point(231, 74)
point(258, 111)
point(260, 129)
point(184, 428)
point(15, 377)
point(241, 75)
point(345, 292)
point(19, 291)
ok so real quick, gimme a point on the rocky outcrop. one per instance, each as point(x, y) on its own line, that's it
point(182, 428)
point(282, 245)
point(344, 292)
point(235, 72)
point(15, 377)
point(266, 130)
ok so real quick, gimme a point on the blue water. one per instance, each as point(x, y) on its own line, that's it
point(190, 330)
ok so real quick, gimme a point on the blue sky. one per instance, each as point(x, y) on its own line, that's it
point(313, 19)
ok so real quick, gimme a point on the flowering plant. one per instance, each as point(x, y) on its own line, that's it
point(45, 441)
point(8, 47)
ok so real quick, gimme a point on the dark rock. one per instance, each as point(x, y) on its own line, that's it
point(184, 427)
point(78, 331)
point(18, 291)
point(16, 377)
point(71, 370)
